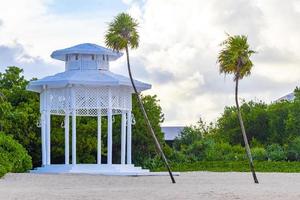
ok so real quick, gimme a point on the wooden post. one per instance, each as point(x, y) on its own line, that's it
point(123, 137)
point(67, 154)
point(99, 137)
point(129, 137)
point(109, 129)
point(43, 125)
point(48, 137)
point(73, 126)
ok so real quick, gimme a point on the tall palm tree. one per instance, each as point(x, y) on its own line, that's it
point(121, 35)
point(234, 59)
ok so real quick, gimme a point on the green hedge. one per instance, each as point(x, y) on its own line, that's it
point(233, 166)
point(13, 156)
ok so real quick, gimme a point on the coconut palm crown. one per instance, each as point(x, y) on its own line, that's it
point(122, 33)
point(234, 58)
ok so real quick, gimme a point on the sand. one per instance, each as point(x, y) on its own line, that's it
point(193, 185)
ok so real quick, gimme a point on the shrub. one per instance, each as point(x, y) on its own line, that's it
point(198, 150)
point(13, 156)
point(224, 152)
point(293, 150)
point(275, 152)
point(214, 151)
point(236, 153)
point(208, 150)
point(153, 163)
point(259, 153)
point(2, 170)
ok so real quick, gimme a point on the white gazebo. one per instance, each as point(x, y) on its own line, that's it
point(87, 88)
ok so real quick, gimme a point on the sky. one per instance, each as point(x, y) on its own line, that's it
point(179, 45)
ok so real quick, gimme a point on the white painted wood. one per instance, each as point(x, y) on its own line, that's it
point(129, 137)
point(43, 125)
point(73, 127)
point(109, 129)
point(105, 169)
point(67, 143)
point(74, 137)
point(48, 137)
point(123, 137)
point(99, 137)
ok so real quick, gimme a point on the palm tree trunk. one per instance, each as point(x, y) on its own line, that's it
point(244, 132)
point(150, 129)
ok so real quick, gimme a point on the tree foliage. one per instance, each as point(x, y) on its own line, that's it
point(13, 156)
point(20, 111)
point(234, 58)
point(122, 33)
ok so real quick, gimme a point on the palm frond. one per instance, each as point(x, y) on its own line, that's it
point(122, 32)
point(234, 57)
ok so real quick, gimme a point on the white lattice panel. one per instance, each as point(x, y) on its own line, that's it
point(88, 101)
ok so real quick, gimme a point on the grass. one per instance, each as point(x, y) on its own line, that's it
point(235, 166)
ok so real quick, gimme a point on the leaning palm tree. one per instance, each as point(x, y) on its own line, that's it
point(121, 35)
point(234, 59)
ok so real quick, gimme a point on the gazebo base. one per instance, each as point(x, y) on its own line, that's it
point(103, 169)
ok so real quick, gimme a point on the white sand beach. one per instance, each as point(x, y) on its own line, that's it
point(193, 185)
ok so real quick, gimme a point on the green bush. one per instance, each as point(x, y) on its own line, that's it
point(259, 153)
point(275, 152)
point(214, 151)
point(293, 150)
point(13, 156)
point(230, 152)
point(2, 170)
point(153, 163)
point(208, 150)
point(198, 150)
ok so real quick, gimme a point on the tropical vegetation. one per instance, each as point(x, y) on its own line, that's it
point(272, 129)
point(13, 156)
point(274, 140)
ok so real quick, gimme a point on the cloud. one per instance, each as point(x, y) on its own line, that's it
point(179, 44)
point(16, 55)
point(28, 38)
point(182, 39)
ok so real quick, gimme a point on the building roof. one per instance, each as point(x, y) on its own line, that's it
point(171, 132)
point(93, 78)
point(288, 97)
point(85, 48)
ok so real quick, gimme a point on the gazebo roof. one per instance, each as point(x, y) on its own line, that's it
point(85, 48)
point(89, 78)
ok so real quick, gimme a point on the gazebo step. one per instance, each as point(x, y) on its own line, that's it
point(114, 169)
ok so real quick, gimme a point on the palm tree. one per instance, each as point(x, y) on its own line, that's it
point(234, 59)
point(122, 34)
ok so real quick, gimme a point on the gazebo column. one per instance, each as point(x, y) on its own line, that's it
point(73, 103)
point(99, 137)
point(109, 129)
point(43, 125)
point(48, 137)
point(74, 137)
point(67, 146)
point(109, 137)
point(129, 137)
point(123, 137)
